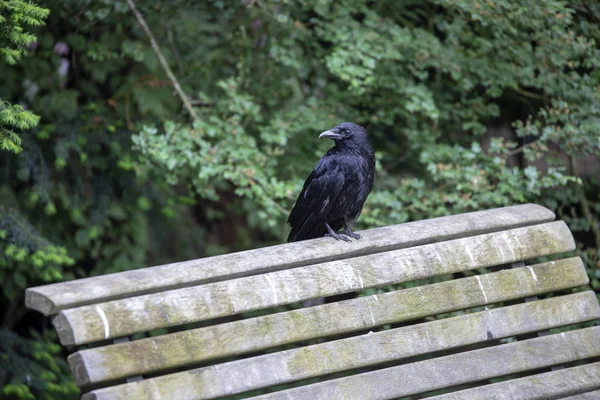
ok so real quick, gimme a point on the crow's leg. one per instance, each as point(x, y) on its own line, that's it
point(348, 232)
point(336, 236)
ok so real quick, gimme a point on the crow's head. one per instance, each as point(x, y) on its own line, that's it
point(346, 132)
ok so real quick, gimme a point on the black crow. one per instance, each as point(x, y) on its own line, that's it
point(334, 194)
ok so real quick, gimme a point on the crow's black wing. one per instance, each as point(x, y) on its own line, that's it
point(319, 194)
point(361, 189)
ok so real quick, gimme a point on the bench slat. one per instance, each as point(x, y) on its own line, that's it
point(117, 318)
point(456, 369)
point(239, 337)
point(360, 351)
point(595, 395)
point(50, 299)
point(549, 385)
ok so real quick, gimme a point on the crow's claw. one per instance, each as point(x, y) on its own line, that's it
point(339, 236)
point(336, 236)
point(348, 232)
point(353, 235)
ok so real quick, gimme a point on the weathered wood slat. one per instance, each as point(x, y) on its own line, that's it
point(50, 299)
point(453, 370)
point(239, 337)
point(123, 317)
point(595, 395)
point(549, 385)
point(359, 351)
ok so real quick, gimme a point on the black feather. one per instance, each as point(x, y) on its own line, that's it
point(337, 189)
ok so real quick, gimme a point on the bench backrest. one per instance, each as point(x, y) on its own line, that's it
point(239, 324)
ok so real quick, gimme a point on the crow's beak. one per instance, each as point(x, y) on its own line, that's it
point(330, 134)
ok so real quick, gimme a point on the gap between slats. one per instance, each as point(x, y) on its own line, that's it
point(573, 382)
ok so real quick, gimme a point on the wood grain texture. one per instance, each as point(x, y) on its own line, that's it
point(453, 370)
point(50, 299)
point(595, 382)
point(123, 317)
point(549, 385)
point(189, 347)
point(359, 351)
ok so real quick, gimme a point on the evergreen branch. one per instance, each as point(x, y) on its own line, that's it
point(163, 61)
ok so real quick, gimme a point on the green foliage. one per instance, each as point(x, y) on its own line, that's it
point(218, 153)
point(470, 105)
point(15, 15)
point(463, 179)
point(14, 116)
point(26, 256)
point(429, 76)
point(33, 369)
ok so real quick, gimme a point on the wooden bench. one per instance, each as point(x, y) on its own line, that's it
point(455, 316)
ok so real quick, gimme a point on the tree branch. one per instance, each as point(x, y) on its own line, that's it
point(163, 61)
point(520, 149)
point(529, 94)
